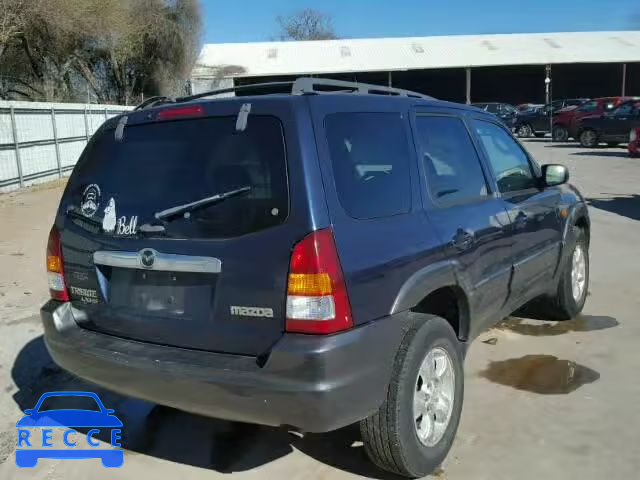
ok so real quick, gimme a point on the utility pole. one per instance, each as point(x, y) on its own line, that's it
point(549, 98)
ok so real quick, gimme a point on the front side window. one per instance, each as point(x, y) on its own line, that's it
point(450, 160)
point(370, 158)
point(508, 161)
point(588, 107)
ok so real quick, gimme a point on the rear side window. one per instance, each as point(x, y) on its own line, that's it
point(370, 158)
point(450, 159)
point(158, 166)
point(624, 109)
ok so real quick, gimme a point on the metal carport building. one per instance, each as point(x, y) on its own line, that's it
point(463, 68)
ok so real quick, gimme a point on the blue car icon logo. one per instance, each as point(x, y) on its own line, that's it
point(30, 449)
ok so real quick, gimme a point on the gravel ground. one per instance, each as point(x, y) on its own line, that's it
point(543, 400)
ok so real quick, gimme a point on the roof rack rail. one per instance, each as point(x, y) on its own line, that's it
point(301, 86)
point(308, 85)
point(153, 102)
point(275, 86)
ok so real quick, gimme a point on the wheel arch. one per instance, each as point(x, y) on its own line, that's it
point(435, 290)
point(578, 217)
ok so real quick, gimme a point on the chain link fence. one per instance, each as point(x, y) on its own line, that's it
point(40, 142)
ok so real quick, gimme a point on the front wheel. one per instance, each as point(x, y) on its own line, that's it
point(589, 139)
point(573, 287)
point(412, 432)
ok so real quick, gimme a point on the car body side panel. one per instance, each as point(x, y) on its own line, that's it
point(376, 255)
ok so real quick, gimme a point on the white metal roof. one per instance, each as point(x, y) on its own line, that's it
point(393, 54)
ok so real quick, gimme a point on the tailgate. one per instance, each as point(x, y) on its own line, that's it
point(212, 277)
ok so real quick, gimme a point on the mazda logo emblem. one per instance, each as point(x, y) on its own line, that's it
point(147, 258)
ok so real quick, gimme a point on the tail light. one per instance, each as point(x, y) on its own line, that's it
point(317, 300)
point(55, 267)
point(634, 135)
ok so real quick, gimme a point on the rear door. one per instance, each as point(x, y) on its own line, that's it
point(535, 221)
point(472, 222)
point(215, 278)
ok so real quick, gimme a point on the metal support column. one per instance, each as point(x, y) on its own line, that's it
point(86, 123)
point(624, 79)
point(55, 139)
point(14, 130)
point(468, 74)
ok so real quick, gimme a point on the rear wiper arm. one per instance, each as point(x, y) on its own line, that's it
point(75, 212)
point(189, 207)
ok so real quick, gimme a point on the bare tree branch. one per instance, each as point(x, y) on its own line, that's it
point(307, 24)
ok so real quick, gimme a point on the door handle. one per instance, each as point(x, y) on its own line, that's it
point(462, 240)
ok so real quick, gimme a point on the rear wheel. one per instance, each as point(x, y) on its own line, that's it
point(589, 139)
point(560, 134)
point(573, 287)
point(524, 130)
point(415, 427)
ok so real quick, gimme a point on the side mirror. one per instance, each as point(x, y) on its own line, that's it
point(28, 411)
point(553, 175)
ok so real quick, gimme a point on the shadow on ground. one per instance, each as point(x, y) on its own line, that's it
point(582, 323)
point(603, 153)
point(625, 205)
point(188, 439)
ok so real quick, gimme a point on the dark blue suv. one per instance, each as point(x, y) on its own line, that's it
point(312, 259)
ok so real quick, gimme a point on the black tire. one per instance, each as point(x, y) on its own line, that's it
point(389, 436)
point(612, 144)
point(539, 135)
point(589, 139)
point(524, 130)
point(563, 305)
point(560, 134)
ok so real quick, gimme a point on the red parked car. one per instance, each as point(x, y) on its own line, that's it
point(566, 122)
point(634, 143)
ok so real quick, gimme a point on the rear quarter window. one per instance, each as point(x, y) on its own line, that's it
point(370, 159)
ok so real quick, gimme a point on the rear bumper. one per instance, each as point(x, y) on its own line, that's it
point(312, 383)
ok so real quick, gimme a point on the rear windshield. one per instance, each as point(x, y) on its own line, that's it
point(158, 166)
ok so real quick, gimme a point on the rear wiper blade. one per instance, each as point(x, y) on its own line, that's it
point(189, 207)
point(75, 212)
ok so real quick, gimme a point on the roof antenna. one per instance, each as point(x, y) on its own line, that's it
point(119, 135)
point(243, 117)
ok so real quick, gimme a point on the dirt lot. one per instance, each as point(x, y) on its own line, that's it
point(543, 400)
